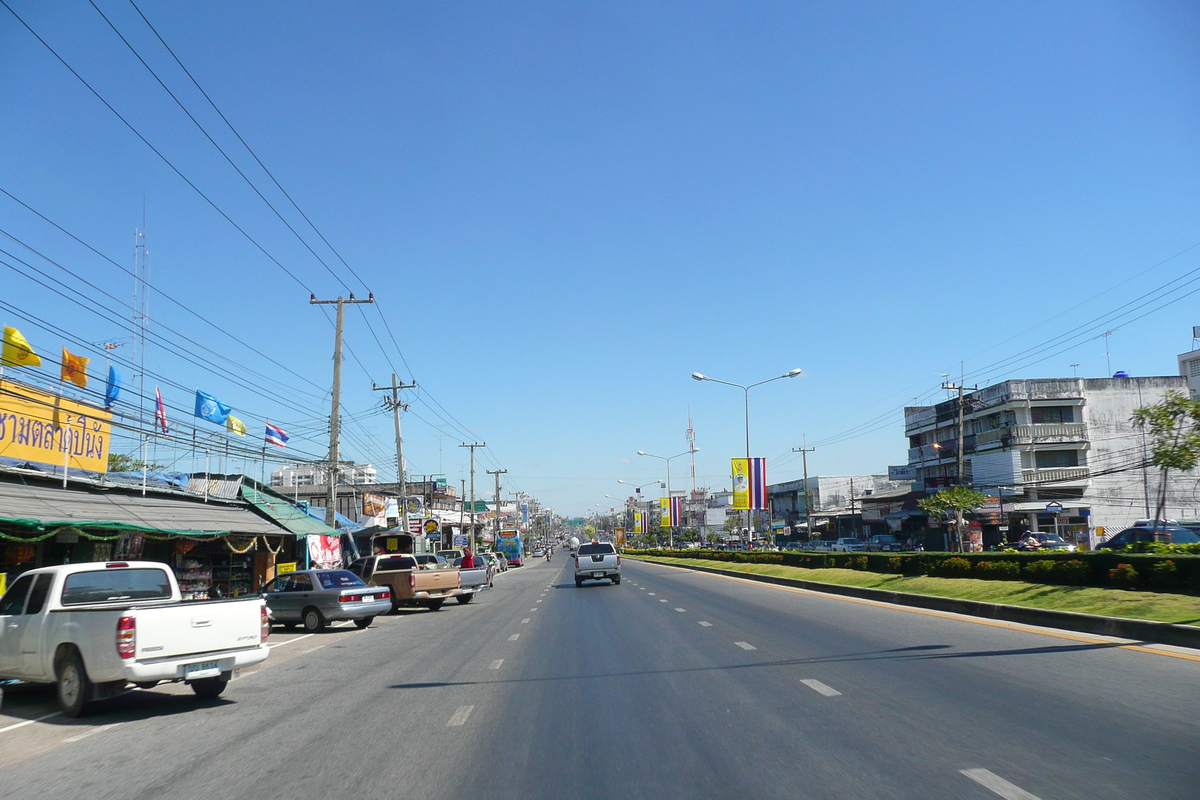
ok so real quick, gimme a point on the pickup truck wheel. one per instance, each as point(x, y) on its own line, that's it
point(209, 687)
point(365, 622)
point(463, 599)
point(74, 687)
point(578, 582)
point(314, 622)
point(434, 605)
point(616, 581)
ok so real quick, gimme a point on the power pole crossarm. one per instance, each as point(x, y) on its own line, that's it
point(394, 403)
point(334, 455)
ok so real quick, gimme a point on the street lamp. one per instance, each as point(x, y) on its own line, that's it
point(670, 528)
point(746, 389)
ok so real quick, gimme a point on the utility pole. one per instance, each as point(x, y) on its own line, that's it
point(394, 403)
point(471, 535)
point(804, 451)
point(496, 532)
point(334, 422)
point(958, 458)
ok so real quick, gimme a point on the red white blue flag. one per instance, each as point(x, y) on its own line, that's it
point(276, 436)
point(160, 413)
point(758, 483)
point(676, 512)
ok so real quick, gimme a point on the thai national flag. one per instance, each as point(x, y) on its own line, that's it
point(276, 435)
point(758, 483)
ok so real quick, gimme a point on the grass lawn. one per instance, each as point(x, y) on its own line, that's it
point(1178, 608)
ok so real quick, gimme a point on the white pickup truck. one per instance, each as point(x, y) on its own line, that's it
point(94, 628)
point(597, 561)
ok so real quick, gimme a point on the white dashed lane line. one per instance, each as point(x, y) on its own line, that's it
point(661, 600)
point(997, 785)
point(817, 686)
point(539, 601)
point(681, 609)
point(745, 645)
point(533, 609)
point(496, 664)
point(460, 716)
point(704, 624)
point(514, 637)
point(652, 594)
point(526, 621)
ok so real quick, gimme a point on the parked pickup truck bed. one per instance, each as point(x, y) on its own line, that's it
point(597, 561)
point(94, 628)
point(473, 580)
point(412, 585)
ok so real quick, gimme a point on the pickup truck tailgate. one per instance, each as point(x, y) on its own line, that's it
point(436, 581)
point(191, 628)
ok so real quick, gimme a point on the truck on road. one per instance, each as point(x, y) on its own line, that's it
point(597, 561)
point(473, 580)
point(411, 583)
point(94, 628)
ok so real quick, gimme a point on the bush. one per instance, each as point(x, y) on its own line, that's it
point(857, 562)
point(997, 570)
point(1123, 576)
point(895, 565)
point(1040, 571)
point(1164, 577)
point(951, 568)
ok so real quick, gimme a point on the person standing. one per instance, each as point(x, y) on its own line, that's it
point(468, 560)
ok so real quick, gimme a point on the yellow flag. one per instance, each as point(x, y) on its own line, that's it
point(74, 369)
point(16, 351)
point(235, 425)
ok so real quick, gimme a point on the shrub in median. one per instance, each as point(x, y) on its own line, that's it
point(1063, 573)
point(950, 568)
point(1164, 577)
point(998, 570)
point(1123, 576)
point(857, 562)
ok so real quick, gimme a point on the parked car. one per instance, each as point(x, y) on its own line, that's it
point(597, 561)
point(94, 628)
point(883, 543)
point(1038, 541)
point(316, 597)
point(847, 545)
point(411, 584)
point(1168, 534)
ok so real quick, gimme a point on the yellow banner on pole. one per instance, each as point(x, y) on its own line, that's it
point(665, 507)
point(42, 428)
point(741, 484)
point(638, 526)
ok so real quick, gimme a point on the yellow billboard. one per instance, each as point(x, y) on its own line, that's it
point(42, 428)
point(741, 484)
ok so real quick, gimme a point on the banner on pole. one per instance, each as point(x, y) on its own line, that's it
point(664, 504)
point(676, 511)
point(639, 527)
point(749, 484)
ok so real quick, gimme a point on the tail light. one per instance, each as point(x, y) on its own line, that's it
point(126, 637)
point(384, 596)
point(458, 576)
point(412, 581)
point(266, 623)
point(350, 598)
point(618, 561)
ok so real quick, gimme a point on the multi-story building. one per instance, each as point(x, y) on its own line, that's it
point(1067, 444)
point(316, 473)
point(1189, 368)
point(836, 506)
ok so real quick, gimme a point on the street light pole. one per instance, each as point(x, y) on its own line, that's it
point(670, 528)
point(746, 389)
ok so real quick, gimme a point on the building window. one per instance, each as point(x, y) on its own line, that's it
point(1048, 459)
point(1194, 368)
point(1053, 415)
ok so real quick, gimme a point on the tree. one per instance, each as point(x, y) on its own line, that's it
point(120, 462)
point(1174, 425)
point(957, 500)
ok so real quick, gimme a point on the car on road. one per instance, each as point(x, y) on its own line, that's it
point(1168, 534)
point(315, 597)
point(847, 545)
point(472, 580)
point(1039, 541)
point(883, 543)
point(411, 584)
point(538, 553)
point(597, 561)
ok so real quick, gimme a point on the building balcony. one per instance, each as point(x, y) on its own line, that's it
point(1054, 474)
point(1017, 435)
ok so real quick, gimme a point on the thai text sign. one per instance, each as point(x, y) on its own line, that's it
point(39, 427)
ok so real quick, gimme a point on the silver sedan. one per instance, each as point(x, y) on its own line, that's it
point(315, 597)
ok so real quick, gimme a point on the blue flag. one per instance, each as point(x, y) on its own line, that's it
point(113, 390)
point(210, 408)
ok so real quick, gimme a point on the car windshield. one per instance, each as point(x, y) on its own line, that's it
point(339, 579)
point(595, 549)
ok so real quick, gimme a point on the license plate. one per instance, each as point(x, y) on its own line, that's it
point(597, 574)
point(202, 669)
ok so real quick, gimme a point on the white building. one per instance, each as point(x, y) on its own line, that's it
point(1189, 368)
point(317, 474)
point(1067, 441)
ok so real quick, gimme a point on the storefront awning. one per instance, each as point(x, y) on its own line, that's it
point(42, 507)
point(294, 519)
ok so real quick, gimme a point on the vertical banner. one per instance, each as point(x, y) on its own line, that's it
point(749, 483)
point(639, 526)
point(664, 504)
point(676, 511)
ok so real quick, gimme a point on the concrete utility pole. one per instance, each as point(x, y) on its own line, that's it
point(496, 531)
point(471, 535)
point(394, 403)
point(331, 497)
point(958, 458)
point(804, 451)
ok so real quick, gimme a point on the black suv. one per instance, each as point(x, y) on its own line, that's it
point(883, 543)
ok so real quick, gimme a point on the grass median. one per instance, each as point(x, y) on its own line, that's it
point(1180, 609)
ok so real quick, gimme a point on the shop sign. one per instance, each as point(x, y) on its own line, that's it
point(39, 427)
point(374, 505)
point(432, 526)
point(325, 551)
point(289, 566)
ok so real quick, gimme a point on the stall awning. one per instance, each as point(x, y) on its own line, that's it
point(296, 520)
point(43, 507)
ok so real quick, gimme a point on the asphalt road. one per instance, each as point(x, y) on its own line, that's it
point(674, 684)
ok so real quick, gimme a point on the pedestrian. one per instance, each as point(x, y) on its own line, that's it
point(468, 560)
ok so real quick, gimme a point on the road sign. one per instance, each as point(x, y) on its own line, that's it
point(431, 526)
point(1054, 508)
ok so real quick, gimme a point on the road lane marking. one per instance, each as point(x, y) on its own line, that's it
point(496, 664)
point(817, 686)
point(92, 732)
point(997, 785)
point(652, 594)
point(533, 609)
point(539, 601)
point(681, 609)
point(745, 645)
point(514, 637)
point(291, 641)
point(643, 588)
point(661, 600)
point(460, 716)
point(704, 624)
point(16, 725)
point(526, 621)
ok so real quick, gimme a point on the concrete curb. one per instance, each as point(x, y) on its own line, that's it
point(1136, 629)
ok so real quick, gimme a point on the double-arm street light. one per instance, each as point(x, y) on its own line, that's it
point(746, 389)
point(670, 528)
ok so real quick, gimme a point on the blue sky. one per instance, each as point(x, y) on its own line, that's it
point(566, 209)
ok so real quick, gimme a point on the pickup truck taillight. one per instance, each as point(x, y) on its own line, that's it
point(412, 581)
point(126, 637)
point(618, 561)
point(266, 623)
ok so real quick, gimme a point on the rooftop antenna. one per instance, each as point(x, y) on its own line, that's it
point(1107, 359)
point(1074, 371)
point(691, 440)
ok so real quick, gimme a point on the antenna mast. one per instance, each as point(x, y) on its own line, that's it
point(691, 440)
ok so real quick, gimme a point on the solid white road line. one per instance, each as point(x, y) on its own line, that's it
point(817, 686)
point(290, 641)
point(514, 637)
point(992, 781)
point(705, 624)
point(496, 664)
point(16, 725)
point(681, 609)
point(745, 645)
point(92, 732)
point(460, 716)
point(526, 621)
